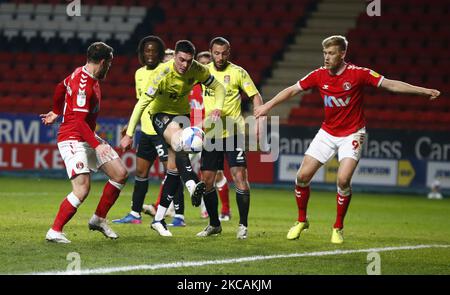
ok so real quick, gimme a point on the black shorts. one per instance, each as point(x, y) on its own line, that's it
point(152, 146)
point(162, 120)
point(235, 153)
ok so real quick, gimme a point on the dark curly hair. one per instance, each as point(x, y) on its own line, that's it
point(151, 38)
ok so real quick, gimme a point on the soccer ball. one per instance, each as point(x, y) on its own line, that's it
point(192, 139)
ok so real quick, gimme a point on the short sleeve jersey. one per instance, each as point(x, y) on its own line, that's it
point(235, 79)
point(342, 96)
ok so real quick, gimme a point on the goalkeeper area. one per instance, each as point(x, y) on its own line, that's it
point(391, 234)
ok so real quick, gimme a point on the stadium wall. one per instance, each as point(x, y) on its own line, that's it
point(393, 160)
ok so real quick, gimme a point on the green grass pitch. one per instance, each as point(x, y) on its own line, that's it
point(28, 207)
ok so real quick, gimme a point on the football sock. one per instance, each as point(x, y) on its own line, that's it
point(160, 193)
point(302, 197)
point(222, 188)
point(342, 203)
point(67, 210)
point(243, 202)
point(178, 200)
point(168, 192)
point(140, 189)
point(184, 167)
point(212, 204)
point(109, 196)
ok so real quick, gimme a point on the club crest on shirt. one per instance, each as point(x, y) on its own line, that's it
point(347, 86)
point(226, 79)
point(81, 98)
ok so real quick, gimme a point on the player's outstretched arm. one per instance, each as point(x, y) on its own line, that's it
point(282, 96)
point(402, 87)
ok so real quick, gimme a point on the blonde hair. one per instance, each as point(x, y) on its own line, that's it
point(336, 40)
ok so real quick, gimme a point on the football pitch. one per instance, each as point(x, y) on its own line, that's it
point(409, 235)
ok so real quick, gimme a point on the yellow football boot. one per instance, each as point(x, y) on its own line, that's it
point(337, 236)
point(296, 230)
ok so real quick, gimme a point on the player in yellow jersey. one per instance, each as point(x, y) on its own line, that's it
point(235, 79)
point(197, 116)
point(151, 52)
point(167, 91)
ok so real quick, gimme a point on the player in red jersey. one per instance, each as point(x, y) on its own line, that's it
point(197, 117)
point(343, 130)
point(78, 100)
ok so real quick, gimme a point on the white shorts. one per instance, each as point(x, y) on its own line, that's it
point(80, 157)
point(324, 146)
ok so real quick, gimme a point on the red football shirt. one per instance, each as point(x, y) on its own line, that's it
point(81, 107)
point(342, 96)
point(197, 108)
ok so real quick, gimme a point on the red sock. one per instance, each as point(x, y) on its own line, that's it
point(302, 197)
point(65, 213)
point(224, 198)
point(159, 195)
point(110, 194)
point(342, 203)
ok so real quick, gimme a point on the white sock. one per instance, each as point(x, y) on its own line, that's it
point(221, 183)
point(181, 216)
point(135, 214)
point(73, 200)
point(202, 206)
point(160, 213)
point(190, 184)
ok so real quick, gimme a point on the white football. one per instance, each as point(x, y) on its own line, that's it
point(192, 139)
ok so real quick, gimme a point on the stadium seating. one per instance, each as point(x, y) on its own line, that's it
point(40, 44)
point(409, 42)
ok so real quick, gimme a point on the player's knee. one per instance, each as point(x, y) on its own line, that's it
point(208, 178)
point(121, 176)
point(142, 167)
point(124, 176)
point(81, 191)
point(343, 182)
point(303, 179)
point(141, 172)
point(240, 180)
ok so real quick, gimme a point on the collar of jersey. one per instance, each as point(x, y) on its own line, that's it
point(89, 74)
point(343, 70)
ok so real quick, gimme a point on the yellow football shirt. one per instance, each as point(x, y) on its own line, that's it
point(167, 91)
point(235, 79)
point(141, 77)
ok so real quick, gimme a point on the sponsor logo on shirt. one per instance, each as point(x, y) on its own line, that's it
point(331, 101)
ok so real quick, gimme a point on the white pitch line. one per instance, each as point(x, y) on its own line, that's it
point(108, 270)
